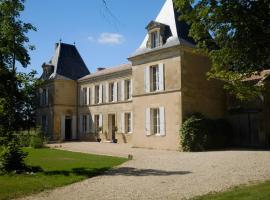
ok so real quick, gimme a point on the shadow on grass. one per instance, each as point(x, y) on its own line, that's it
point(123, 171)
point(90, 172)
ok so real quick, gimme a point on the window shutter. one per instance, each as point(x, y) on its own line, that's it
point(161, 76)
point(74, 122)
point(87, 96)
point(100, 120)
point(162, 121)
point(147, 79)
point(63, 120)
point(81, 96)
point(147, 121)
point(123, 122)
point(123, 90)
point(131, 122)
point(47, 96)
point(81, 124)
point(131, 88)
point(40, 96)
point(115, 91)
point(107, 92)
point(88, 123)
point(100, 93)
point(93, 95)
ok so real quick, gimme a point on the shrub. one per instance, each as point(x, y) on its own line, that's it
point(37, 140)
point(199, 134)
point(12, 158)
point(24, 140)
point(194, 134)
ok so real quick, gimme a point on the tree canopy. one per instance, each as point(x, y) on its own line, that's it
point(235, 34)
point(14, 49)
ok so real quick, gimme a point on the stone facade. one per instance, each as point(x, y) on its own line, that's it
point(143, 103)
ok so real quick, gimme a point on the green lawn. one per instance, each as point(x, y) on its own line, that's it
point(254, 192)
point(59, 168)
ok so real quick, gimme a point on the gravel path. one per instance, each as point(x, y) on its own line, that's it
point(156, 174)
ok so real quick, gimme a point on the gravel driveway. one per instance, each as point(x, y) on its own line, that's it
point(156, 174)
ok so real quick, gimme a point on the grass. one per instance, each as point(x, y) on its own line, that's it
point(59, 168)
point(254, 192)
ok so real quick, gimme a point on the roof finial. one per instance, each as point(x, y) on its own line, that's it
point(74, 43)
point(60, 41)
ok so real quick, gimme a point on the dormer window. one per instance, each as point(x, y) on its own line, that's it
point(158, 34)
point(154, 39)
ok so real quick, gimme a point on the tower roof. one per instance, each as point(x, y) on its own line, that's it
point(67, 63)
point(169, 16)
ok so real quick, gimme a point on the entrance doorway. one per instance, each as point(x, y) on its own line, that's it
point(68, 128)
point(112, 127)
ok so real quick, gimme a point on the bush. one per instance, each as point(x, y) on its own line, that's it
point(199, 134)
point(37, 141)
point(24, 140)
point(12, 158)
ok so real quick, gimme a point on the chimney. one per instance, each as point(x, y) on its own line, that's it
point(100, 69)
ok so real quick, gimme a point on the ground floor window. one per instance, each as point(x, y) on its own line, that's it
point(155, 121)
point(84, 123)
point(44, 123)
point(128, 123)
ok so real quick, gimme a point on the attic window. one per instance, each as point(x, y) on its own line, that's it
point(154, 39)
point(158, 34)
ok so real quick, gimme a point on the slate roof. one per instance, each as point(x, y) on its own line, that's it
point(179, 29)
point(107, 71)
point(67, 63)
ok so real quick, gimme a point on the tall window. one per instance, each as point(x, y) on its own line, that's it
point(154, 78)
point(84, 123)
point(127, 89)
point(154, 39)
point(96, 94)
point(84, 96)
point(44, 123)
point(44, 97)
point(97, 123)
point(128, 123)
point(111, 92)
point(155, 120)
point(89, 96)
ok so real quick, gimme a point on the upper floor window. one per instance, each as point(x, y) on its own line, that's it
point(128, 89)
point(154, 78)
point(44, 97)
point(84, 96)
point(97, 94)
point(111, 92)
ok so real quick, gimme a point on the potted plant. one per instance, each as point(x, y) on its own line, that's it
point(115, 129)
point(99, 131)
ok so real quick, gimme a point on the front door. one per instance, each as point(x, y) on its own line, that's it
point(68, 129)
point(112, 127)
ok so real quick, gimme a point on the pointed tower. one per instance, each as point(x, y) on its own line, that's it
point(165, 31)
point(57, 111)
point(169, 82)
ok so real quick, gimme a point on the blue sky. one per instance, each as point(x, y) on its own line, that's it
point(101, 39)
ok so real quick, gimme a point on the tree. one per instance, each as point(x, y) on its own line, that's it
point(13, 49)
point(15, 88)
point(235, 34)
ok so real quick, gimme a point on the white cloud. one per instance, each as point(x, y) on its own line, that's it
point(91, 39)
point(111, 38)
